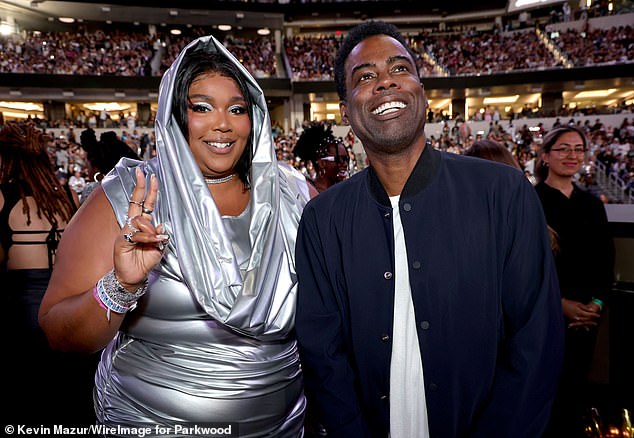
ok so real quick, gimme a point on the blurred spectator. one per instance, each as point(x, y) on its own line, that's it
point(492, 151)
point(584, 263)
point(326, 153)
point(34, 210)
point(102, 156)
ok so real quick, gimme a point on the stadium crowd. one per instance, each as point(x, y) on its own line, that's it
point(309, 57)
point(610, 146)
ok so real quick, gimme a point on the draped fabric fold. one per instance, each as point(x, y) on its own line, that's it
point(259, 301)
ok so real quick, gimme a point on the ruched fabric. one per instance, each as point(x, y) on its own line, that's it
point(212, 340)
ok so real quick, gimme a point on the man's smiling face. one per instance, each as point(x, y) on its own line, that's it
point(385, 102)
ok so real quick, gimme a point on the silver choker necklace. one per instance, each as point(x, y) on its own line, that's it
point(221, 180)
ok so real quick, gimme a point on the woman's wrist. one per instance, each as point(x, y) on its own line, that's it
point(111, 294)
point(131, 288)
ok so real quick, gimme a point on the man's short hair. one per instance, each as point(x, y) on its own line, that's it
point(354, 37)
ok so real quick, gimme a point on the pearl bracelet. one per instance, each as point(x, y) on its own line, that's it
point(115, 297)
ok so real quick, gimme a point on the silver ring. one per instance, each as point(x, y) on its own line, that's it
point(128, 237)
point(147, 211)
point(160, 246)
point(139, 203)
point(128, 222)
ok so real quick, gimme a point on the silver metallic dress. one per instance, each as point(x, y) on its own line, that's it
point(212, 339)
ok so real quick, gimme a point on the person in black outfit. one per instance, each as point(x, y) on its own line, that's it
point(326, 152)
point(585, 262)
point(34, 210)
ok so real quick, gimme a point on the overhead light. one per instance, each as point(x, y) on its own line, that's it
point(440, 103)
point(224, 27)
point(108, 106)
point(173, 12)
point(6, 28)
point(594, 93)
point(68, 93)
point(264, 31)
point(175, 31)
point(119, 94)
point(15, 115)
point(105, 9)
point(152, 95)
point(332, 106)
point(15, 92)
point(501, 99)
point(22, 106)
point(239, 15)
point(66, 19)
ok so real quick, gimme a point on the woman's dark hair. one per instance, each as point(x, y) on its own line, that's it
point(493, 151)
point(105, 153)
point(196, 63)
point(357, 35)
point(314, 141)
point(24, 159)
point(549, 140)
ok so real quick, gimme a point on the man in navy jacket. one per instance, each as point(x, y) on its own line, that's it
point(461, 241)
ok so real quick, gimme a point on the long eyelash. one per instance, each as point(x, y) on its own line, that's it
point(195, 105)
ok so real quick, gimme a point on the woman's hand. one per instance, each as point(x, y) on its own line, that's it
point(580, 315)
point(140, 245)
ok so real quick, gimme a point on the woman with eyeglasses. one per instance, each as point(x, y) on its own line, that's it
point(585, 259)
point(327, 153)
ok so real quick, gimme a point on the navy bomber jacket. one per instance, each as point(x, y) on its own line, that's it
point(484, 287)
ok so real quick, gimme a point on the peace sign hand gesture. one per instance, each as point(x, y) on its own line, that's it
point(140, 245)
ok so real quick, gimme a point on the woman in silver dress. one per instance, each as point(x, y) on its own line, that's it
point(182, 267)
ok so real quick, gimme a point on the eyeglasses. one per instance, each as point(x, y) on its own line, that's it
point(569, 150)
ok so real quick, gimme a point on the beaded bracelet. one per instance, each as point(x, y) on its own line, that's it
point(114, 296)
point(598, 302)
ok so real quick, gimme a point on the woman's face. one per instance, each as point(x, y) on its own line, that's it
point(219, 124)
point(566, 156)
point(335, 162)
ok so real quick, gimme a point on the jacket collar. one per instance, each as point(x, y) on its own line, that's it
point(423, 173)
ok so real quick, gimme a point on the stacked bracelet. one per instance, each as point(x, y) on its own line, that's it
point(598, 302)
point(111, 294)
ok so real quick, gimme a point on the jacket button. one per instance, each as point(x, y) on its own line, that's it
point(433, 387)
point(416, 265)
point(407, 206)
point(424, 325)
point(387, 275)
point(385, 337)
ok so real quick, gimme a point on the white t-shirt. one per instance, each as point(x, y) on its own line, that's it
point(408, 410)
